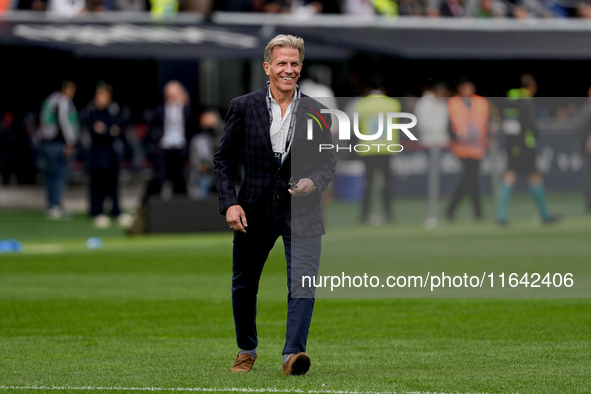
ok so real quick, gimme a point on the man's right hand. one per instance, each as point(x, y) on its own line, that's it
point(236, 218)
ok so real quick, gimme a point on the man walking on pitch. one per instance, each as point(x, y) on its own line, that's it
point(285, 174)
point(520, 129)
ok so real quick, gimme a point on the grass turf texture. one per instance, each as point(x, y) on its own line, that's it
point(155, 311)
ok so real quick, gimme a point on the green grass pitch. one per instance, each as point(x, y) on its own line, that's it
point(154, 312)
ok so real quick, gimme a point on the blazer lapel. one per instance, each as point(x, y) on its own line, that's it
point(299, 131)
point(261, 115)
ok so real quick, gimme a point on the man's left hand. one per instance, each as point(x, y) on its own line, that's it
point(304, 187)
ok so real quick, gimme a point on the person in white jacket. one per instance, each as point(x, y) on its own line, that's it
point(432, 122)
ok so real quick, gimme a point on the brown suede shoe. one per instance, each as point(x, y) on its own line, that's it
point(297, 364)
point(243, 363)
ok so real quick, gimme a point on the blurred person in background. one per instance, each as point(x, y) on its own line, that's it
point(583, 9)
point(523, 9)
point(4, 6)
point(469, 116)
point(171, 130)
point(301, 7)
point(412, 7)
point(131, 5)
point(169, 8)
point(102, 120)
point(17, 155)
point(452, 8)
point(163, 8)
point(315, 84)
point(100, 5)
point(8, 147)
point(198, 6)
point(66, 8)
point(358, 8)
point(203, 147)
point(386, 7)
point(27, 144)
point(486, 9)
point(239, 5)
point(58, 131)
point(377, 158)
point(33, 5)
point(583, 128)
point(432, 8)
point(521, 133)
point(433, 123)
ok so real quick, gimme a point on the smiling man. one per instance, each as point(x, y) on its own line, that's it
point(284, 177)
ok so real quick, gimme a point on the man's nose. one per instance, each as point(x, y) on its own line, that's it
point(289, 69)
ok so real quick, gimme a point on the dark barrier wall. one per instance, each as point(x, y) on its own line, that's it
point(185, 216)
point(558, 160)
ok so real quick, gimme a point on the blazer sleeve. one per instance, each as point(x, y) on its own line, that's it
point(227, 157)
point(325, 169)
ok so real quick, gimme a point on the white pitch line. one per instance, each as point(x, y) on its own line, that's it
point(198, 389)
point(206, 389)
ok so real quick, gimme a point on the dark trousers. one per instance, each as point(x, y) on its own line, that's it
point(249, 255)
point(104, 183)
point(373, 165)
point(55, 168)
point(468, 186)
point(168, 164)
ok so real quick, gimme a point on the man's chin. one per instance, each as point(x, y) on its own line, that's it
point(287, 86)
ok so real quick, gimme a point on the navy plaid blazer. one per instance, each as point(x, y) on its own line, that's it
point(264, 190)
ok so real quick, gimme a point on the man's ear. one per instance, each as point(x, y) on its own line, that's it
point(266, 66)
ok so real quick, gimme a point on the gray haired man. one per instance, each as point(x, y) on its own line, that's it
point(285, 175)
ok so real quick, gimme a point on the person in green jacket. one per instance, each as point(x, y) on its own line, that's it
point(58, 131)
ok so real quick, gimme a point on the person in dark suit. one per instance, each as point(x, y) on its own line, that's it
point(171, 130)
point(285, 174)
point(102, 119)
